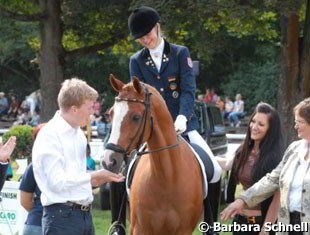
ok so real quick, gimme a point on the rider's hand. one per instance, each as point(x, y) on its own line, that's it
point(180, 124)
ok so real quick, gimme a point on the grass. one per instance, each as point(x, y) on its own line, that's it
point(102, 222)
point(102, 218)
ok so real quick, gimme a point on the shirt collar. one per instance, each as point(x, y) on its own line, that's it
point(158, 51)
point(63, 125)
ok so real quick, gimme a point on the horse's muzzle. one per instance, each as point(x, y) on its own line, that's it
point(112, 160)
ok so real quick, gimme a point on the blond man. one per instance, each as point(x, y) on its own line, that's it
point(59, 163)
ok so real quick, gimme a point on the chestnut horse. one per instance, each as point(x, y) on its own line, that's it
point(166, 195)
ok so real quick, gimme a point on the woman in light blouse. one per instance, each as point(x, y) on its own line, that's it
point(291, 177)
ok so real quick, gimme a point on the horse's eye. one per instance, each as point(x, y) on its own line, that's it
point(136, 118)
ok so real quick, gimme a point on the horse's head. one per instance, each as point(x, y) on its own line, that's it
point(131, 121)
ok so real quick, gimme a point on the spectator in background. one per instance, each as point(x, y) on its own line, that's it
point(9, 173)
point(34, 101)
point(96, 117)
point(214, 95)
point(35, 119)
point(220, 104)
point(200, 97)
point(97, 108)
point(14, 106)
point(238, 111)
point(229, 106)
point(23, 117)
point(208, 96)
point(90, 162)
point(4, 104)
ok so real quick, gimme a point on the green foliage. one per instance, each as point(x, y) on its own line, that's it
point(21, 6)
point(17, 73)
point(95, 69)
point(256, 80)
point(92, 21)
point(24, 140)
point(221, 34)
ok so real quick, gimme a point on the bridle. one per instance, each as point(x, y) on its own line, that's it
point(147, 104)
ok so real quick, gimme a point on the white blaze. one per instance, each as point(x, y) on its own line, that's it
point(120, 110)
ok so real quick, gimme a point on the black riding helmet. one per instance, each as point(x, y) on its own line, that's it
point(142, 20)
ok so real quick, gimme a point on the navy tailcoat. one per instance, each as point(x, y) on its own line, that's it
point(175, 81)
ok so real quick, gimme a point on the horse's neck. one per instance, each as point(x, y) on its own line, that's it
point(164, 162)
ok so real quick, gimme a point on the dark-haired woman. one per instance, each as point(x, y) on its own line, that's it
point(258, 155)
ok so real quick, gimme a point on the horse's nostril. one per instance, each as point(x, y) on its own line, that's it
point(104, 165)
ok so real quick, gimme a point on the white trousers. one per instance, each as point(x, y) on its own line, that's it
point(196, 138)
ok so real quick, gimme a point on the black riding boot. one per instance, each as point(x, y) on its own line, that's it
point(118, 202)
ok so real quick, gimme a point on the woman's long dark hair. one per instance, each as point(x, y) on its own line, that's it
point(271, 148)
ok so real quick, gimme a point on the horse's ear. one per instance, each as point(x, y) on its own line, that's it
point(136, 84)
point(115, 83)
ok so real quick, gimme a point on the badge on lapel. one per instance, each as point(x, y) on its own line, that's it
point(150, 62)
point(175, 94)
point(172, 83)
point(165, 58)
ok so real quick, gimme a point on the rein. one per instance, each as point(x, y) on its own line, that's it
point(159, 149)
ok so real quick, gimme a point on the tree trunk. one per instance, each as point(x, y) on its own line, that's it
point(51, 57)
point(288, 82)
point(305, 56)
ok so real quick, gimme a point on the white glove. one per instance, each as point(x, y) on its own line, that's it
point(180, 124)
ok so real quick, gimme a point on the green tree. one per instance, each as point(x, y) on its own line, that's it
point(295, 61)
point(222, 35)
point(68, 30)
point(17, 73)
point(256, 79)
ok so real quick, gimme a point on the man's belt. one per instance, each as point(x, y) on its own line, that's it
point(74, 205)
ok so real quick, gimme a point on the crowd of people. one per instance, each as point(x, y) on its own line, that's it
point(231, 111)
point(60, 179)
point(21, 111)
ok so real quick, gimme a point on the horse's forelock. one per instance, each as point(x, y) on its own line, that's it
point(129, 92)
point(157, 101)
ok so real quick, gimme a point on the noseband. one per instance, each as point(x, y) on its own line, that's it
point(147, 104)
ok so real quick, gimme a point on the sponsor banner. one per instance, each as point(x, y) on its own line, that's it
point(12, 214)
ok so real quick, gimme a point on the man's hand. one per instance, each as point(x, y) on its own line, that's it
point(7, 149)
point(180, 124)
point(102, 176)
